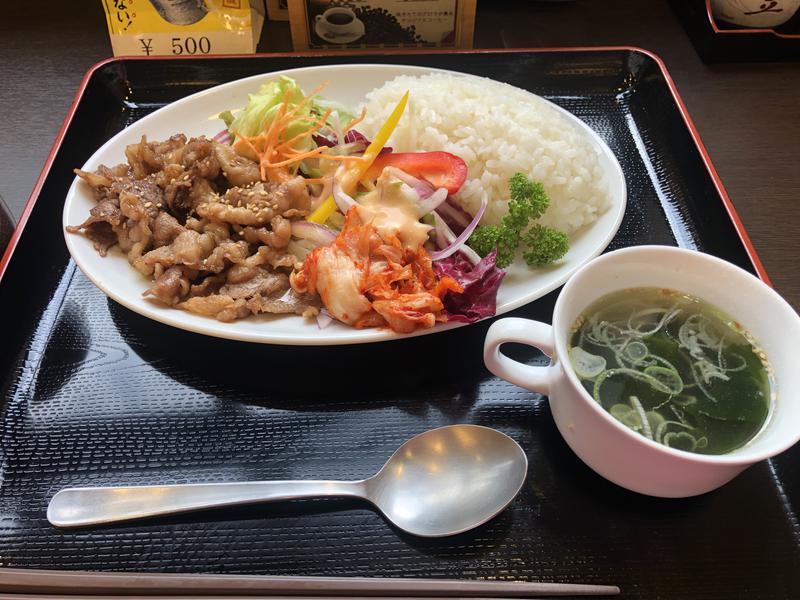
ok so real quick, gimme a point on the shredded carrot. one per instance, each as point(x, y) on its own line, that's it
point(356, 120)
point(275, 154)
point(314, 128)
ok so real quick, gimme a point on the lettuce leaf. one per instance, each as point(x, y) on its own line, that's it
point(263, 106)
point(322, 104)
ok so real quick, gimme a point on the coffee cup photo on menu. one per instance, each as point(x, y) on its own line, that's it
point(383, 23)
point(338, 25)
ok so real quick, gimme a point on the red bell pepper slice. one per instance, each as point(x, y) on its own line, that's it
point(440, 169)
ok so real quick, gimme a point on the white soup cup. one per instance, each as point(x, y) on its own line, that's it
point(606, 445)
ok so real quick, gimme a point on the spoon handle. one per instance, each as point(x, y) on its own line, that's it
point(73, 507)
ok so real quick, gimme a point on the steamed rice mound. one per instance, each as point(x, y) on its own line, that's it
point(498, 130)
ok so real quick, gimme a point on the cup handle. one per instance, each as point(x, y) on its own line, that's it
point(523, 331)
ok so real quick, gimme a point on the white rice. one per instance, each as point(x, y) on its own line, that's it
point(498, 130)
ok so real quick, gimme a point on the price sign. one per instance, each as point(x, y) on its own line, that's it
point(183, 27)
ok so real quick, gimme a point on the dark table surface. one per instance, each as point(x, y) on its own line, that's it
point(748, 114)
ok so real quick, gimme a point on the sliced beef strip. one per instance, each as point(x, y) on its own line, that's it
point(222, 308)
point(281, 197)
point(170, 150)
point(128, 209)
point(189, 248)
point(106, 182)
point(220, 211)
point(120, 171)
point(265, 292)
point(165, 229)
point(96, 180)
point(202, 191)
point(199, 158)
point(171, 286)
point(275, 258)
point(142, 159)
point(139, 203)
point(103, 237)
point(224, 255)
point(144, 189)
point(277, 237)
point(150, 157)
point(178, 192)
point(263, 282)
point(264, 255)
point(238, 170)
point(184, 191)
point(290, 302)
point(220, 231)
point(243, 271)
point(258, 204)
point(135, 236)
point(100, 227)
point(209, 285)
point(297, 198)
point(170, 174)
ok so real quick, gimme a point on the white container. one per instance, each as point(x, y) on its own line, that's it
point(604, 444)
point(755, 13)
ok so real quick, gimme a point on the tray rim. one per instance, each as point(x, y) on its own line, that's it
point(750, 250)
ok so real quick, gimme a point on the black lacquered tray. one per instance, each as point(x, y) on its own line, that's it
point(95, 394)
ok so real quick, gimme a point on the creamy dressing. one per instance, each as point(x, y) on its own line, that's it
point(392, 210)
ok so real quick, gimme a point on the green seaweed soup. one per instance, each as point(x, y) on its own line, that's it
point(673, 368)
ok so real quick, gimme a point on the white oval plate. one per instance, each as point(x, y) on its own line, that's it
point(197, 115)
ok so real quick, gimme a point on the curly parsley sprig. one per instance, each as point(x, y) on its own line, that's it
point(541, 244)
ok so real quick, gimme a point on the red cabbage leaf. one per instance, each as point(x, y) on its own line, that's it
point(480, 283)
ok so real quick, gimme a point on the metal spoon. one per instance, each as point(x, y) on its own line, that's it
point(439, 483)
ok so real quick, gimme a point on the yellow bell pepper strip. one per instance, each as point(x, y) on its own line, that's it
point(352, 174)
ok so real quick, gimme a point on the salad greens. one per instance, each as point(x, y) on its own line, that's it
point(263, 106)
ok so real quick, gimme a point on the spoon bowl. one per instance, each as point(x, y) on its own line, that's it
point(442, 482)
point(448, 480)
